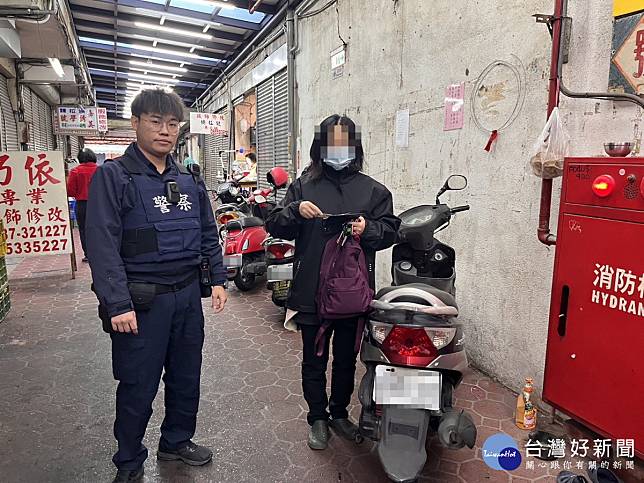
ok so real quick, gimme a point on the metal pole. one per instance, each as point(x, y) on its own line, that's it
point(543, 232)
point(290, 71)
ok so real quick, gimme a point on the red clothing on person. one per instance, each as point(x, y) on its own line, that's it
point(79, 180)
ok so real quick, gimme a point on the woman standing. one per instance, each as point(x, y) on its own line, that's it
point(78, 187)
point(332, 184)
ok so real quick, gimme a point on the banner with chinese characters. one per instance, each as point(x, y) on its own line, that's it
point(33, 203)
point(208, 123)
point(80, 120)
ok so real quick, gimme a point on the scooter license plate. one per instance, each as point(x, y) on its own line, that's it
point(276, 273)
point(233, 261)
point(407, 387)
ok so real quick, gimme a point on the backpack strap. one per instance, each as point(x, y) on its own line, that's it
point(320, 339)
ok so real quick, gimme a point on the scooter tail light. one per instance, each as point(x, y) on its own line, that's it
point(380, 331)
point(226, 217)
point(441, 337)
point(280, 251)
point(409, 346)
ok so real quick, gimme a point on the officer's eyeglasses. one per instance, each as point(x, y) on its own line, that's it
point(156, 124)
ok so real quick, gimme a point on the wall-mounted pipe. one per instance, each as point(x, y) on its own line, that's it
point(543, 232)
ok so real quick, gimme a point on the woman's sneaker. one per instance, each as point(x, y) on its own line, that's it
point(319, 435)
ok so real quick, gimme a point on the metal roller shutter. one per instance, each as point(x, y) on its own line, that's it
point(49, 128)
point(272, 126)
point(25, 94)
point(265, 131)
point(75, 146)
point(221, 144)
point(281, 124)
point(9, 133)
point(209, 161)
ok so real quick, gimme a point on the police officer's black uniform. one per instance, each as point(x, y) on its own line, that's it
point(145, 252)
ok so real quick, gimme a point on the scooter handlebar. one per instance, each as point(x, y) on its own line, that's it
point(458, 209)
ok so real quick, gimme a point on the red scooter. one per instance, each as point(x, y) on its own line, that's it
point(244, 255)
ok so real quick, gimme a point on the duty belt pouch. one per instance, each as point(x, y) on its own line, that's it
point(206, 291)
point(104, 317)
point(106, 320)
point(142, 295)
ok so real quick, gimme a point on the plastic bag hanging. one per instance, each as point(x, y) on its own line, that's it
point(550, 148)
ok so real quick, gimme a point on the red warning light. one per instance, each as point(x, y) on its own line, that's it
point(603, 185)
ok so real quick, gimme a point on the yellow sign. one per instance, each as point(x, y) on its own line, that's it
point(624, 7)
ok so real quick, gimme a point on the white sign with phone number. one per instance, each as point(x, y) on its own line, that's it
point(33, 203)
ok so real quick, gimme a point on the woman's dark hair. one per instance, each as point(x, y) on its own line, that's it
point(86, 156)
point(321, 139)
point(158, 101)
point(252, 157)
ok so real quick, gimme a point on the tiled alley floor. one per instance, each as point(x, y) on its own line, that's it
point(57, 393)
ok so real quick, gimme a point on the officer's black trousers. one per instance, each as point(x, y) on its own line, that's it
point(342, 372)
point(170, 339)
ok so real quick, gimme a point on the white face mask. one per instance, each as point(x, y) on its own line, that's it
point(338, 157)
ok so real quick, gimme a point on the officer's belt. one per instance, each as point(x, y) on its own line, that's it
point(138, 242)
point(163, 288)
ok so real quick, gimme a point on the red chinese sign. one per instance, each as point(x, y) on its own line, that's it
point(33, 203)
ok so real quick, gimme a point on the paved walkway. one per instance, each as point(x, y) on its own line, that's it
point(57, 393)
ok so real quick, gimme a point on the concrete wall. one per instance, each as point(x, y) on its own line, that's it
point(402, 54)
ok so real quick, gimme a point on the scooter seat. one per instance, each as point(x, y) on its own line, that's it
point(446, 298)
point(246, 222)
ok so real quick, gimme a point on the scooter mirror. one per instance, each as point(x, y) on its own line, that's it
point(456, 182)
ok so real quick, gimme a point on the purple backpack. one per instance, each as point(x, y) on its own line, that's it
point(343, 290)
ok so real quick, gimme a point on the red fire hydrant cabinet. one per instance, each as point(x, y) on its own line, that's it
point(595, 356)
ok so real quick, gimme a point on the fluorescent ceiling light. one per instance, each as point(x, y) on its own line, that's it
point(151, 77)
point(163, 51)
point(209, 25)
point(55, 64)
point(193, 49)
point(151, 71)
point(160, 59)
point(158, 66)
point(162, 21)
point(170, 30)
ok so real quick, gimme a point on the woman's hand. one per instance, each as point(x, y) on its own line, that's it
point(359, 226)
point(308, 210)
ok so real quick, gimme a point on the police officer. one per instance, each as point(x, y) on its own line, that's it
point(154, 253)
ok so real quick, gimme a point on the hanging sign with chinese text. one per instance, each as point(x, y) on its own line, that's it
point(80, 120)
point(208, 123)
point(627, 66)
point(33, 203)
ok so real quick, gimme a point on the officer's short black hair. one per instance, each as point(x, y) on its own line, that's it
point(86, 156)
point(158, 101)
point(252, 157)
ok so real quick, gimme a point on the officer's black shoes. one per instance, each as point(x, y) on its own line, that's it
point(319, 435)
point(125, 476)
point(344, 428)
point(191, 454)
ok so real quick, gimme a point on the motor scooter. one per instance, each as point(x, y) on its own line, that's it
point(413, 347)
point(244, 251)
